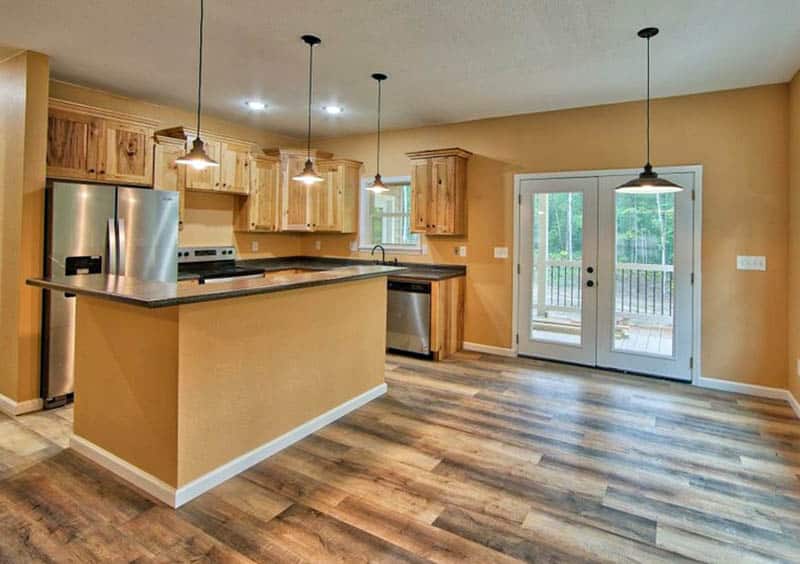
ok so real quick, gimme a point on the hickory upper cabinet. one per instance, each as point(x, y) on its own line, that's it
point(167, 174)
point(259, 211)
point(439, 191)
point(297, 206)
point(334, 202)
point(86, 143)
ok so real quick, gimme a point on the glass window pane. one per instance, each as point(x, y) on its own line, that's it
point(644, 273)
point(557, 263)
point(390, 217)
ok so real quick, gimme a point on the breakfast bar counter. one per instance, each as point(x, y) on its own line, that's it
point(179, 386)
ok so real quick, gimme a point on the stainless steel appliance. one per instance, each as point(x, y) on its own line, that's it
point(408, 323)
point(94, 229)
point(213, 265)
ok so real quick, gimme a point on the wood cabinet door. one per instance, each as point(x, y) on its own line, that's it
point(325, 200)
point(206, 179)
point(234, 168)
point(167, 175)
point(420, 195)
point(125, 154)
point(295, 201)
point(72, 144)
point(443, 199)
point(264, 192)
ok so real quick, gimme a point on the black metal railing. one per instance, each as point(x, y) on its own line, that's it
point(643, 289)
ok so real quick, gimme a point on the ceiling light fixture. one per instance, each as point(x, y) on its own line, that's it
point(309, 175)
point(377, 185)
point(256, 105)
point(648, 181)
point(333, 110)
point(197, 158)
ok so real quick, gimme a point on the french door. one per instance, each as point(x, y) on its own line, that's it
point(605, 278)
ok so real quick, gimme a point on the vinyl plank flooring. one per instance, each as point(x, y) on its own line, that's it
point(473, 460)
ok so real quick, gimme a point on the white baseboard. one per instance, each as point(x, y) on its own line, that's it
point(13, 408)
point(794, 403)
point(489, 349)
point(177, 497)
point(750, 390)
point(159, 489)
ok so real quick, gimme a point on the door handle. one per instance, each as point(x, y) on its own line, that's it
point(112, 246)
point(590, 283)
point(589, 269)
point(121, 242)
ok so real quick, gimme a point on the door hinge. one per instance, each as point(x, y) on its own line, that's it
point(693, 195)
point(517, 338)
point(691, 362)
point(519, 199)
point(692, 278)
point(519, 269)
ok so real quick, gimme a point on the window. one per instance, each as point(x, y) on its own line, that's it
point(386, 217)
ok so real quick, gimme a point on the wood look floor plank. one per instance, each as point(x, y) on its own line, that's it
point(474, 459)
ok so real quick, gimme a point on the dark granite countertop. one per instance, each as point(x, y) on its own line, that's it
point(162, 294)
point(412, 270)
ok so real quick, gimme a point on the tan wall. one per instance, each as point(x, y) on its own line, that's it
point(23, 146)
point(739, 137)
point(271, 363)
point(209, 217)
point(794, 236)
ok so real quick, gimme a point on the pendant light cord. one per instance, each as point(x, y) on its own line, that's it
point(200, 67)
point(310, 78)
point(648, 100)
point(378, 169)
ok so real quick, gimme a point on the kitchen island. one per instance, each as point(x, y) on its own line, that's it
point(180, 386)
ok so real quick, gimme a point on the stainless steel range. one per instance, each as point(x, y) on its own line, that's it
point(210, 265)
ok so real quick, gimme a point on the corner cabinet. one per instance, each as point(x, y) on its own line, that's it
point(232, 176)
point(258, 212)
point(86, 143)
point(439, 191)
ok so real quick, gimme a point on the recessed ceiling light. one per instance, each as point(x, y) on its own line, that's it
point(333, 110)
point(257, 106)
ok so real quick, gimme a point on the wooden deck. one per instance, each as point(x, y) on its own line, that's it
point(479, 459)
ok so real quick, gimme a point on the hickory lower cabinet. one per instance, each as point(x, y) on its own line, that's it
point(447, 316)
point(87, 143)
point(439, 191)
point(259, 211)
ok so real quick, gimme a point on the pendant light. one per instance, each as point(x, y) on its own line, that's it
point(377, 185)
point(197, 158)
point(648, 181)
point(309, 176)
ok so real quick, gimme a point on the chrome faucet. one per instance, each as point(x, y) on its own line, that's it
point(383, 253)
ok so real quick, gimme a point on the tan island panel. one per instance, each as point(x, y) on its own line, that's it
point(126, 385)
point(254, 368)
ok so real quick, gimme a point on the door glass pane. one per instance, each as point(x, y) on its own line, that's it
point(557, 254)
point(644, 273)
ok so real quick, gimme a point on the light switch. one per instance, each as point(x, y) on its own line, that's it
point(254, 246)
point(746, 262)
point(353, 246)
point(501, 252)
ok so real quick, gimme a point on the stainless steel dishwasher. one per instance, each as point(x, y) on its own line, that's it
point(408, 323)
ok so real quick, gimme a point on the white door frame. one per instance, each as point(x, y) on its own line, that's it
point(697, 288)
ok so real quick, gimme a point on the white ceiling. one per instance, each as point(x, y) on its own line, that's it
point(449, 60)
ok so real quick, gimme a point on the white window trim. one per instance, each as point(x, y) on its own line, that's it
point(364, 216)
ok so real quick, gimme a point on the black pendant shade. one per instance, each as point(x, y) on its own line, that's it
point(197, 158)
point(377, 185)
point(309, 176)
point(648, 181)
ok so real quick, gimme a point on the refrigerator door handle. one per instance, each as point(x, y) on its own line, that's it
point(122, 244)
point(112, 246)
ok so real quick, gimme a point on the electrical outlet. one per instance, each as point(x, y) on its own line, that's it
point(745, 262)
point(460, 251)
point(318, 244)
point(254, 246)
point(353, 246)
point(501, 252)
point(424, 248)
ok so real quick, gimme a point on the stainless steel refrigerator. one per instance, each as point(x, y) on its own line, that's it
point(99, 229)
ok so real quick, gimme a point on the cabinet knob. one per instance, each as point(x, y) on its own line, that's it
point(217, 184)
point(101, 172)
point(91, 170)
